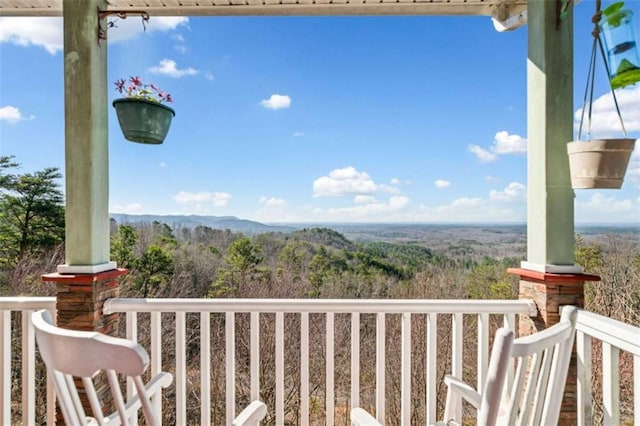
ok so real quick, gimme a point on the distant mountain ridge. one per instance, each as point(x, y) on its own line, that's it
point(216, 222)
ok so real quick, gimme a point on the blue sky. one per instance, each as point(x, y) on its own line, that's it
point(314, 119)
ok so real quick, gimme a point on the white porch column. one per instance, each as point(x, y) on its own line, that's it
point(550, 220)
point(86, 138)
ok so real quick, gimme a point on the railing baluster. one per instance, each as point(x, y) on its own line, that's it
point(381, 336)
point(29, 373)
point(405, 377)
point(585, 407)
point(181, 369)
point(255, 356)
point(279, 368)
point(304, 368)
point(156, 355)
point(329, 370)
point(432, 364)
point(230, 357)
point(5, 367)
point(610, 384)
point(483, 350)
point(636, 390)
point(355, 360)
point(456, 356)
point(205, 368)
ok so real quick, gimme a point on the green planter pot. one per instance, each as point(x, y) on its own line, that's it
point(143, 121)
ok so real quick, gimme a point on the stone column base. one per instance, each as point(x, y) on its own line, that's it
point(80, 299)
point(550, 292)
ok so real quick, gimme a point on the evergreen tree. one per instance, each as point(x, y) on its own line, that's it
point(6, 162)
point(123, 244)
point(153, 270)
point(31, 213)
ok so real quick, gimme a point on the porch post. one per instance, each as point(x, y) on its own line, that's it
point(87, 278)
point(86, 140)
point(550, 276)
point(550, 227)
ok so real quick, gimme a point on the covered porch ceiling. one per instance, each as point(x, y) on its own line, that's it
point(499, 9)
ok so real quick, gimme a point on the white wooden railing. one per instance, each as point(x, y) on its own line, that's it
point(23, 307)
point(615, 337)
point(426, 310)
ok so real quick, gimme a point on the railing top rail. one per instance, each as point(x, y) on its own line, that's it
point(22, 303)
point(609, 330)
point(445, 306)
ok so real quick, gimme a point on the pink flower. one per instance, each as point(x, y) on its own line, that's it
point(139, 90)
point(120, 85)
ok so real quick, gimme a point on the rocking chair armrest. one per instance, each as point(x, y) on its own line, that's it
point(251, 415)
point(463, 389)
point(360, 417)
point(157, 383)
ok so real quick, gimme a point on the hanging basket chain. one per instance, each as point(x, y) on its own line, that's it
point(588, 92)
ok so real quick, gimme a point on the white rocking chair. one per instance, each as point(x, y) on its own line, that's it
point(82, 354)
point(542, 362)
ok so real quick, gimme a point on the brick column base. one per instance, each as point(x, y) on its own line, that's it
point(550, 292)
point(80, 299)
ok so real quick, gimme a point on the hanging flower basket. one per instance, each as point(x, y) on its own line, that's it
point(141, 113)
point(143, 121)
point(602, 163)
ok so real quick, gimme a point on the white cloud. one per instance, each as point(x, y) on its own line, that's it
point(374, 211)
point(515, 191)
point(170, 68)
point(298, 134)
point(504, 143)
point(276, 102)
point(11, 114)
point(46, 32)
point(273, 202)
point(633, 170)
point(441, 183)
point(473, 210)
point(133, 208)
point(178, 37)
point(209, 75)
point(601, 208)
point(467, 202)
point(364, 199)
point(508, 205)
point(348, 181)
point(163, 164)
point(394, 181)
point(604, 119)
point(482, 154)
point(218, 199)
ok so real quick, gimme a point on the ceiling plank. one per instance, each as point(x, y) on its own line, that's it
point(276, 7)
